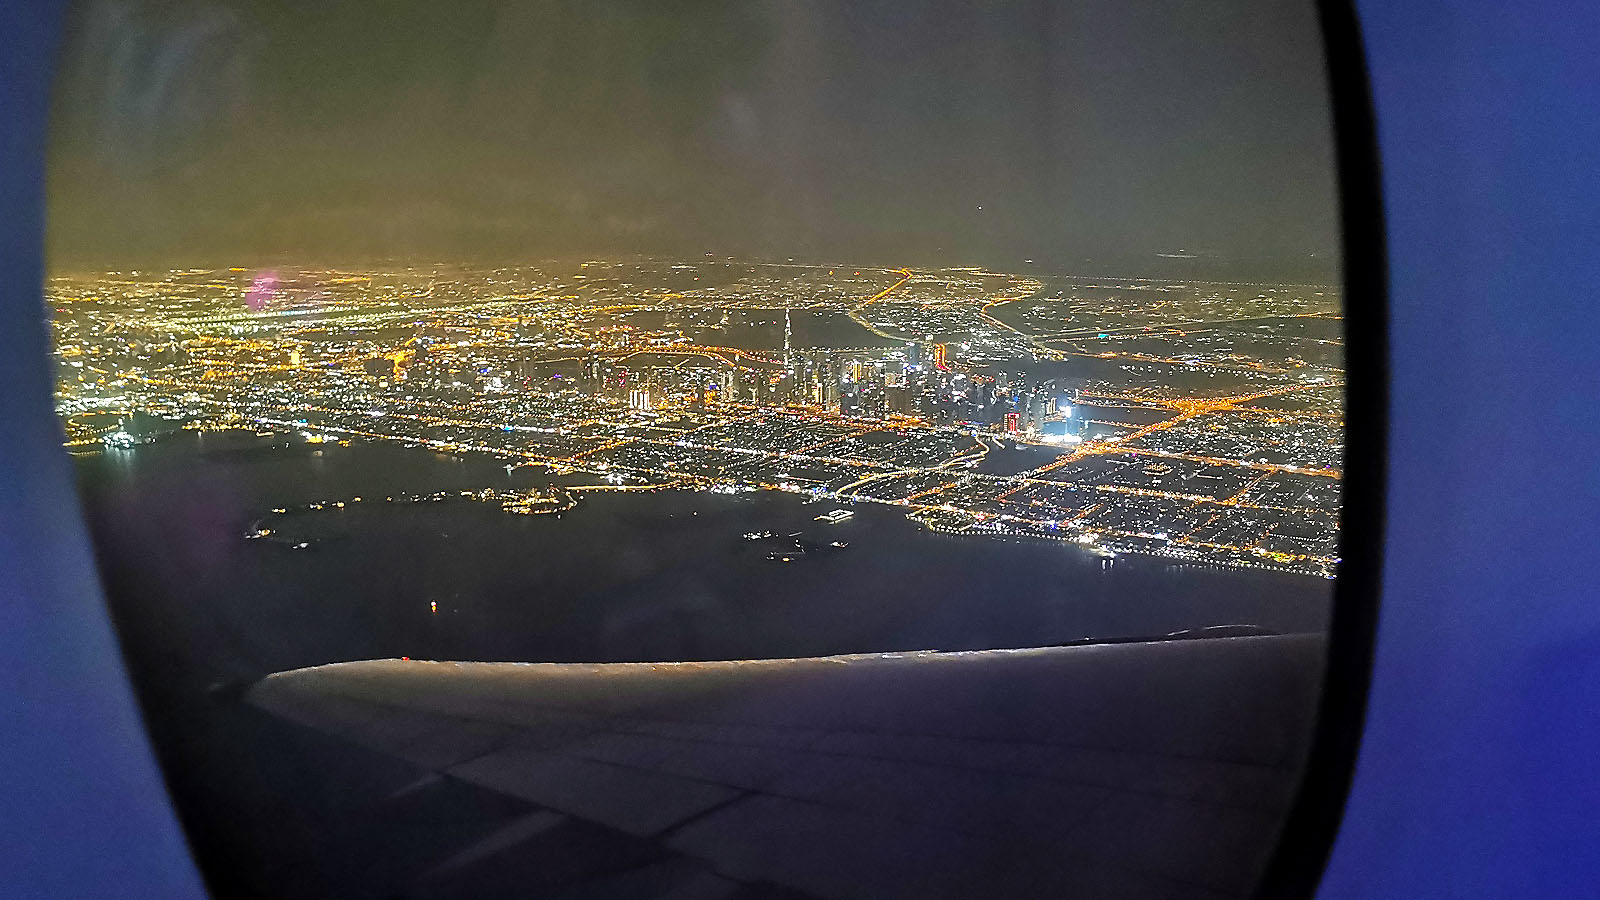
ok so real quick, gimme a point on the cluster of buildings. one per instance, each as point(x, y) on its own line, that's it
point(1126, 427)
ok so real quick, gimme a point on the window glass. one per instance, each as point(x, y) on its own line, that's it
point(907, 437)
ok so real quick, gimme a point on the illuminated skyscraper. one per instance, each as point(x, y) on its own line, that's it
point(788, 354)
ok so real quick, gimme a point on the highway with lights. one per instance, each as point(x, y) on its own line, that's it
point(1196, 421)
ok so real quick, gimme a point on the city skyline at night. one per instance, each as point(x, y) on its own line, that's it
point(842, 450)
point(1199, 422)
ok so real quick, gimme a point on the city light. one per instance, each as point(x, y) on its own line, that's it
point(1138, 418)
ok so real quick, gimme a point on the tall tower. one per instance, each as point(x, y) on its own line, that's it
point(788, 360)
point(791, 377)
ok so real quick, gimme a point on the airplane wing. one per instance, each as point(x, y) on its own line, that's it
point(1158, 769)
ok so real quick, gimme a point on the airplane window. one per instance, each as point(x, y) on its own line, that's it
point(709, 449)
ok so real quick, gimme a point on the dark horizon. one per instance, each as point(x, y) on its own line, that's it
point(1313, 272)
point(1089, 139)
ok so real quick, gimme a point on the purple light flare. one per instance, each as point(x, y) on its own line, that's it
point(263, 290)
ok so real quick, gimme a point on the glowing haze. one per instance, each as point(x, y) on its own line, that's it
point(1163, 134)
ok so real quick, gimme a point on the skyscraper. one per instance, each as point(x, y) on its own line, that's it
point(788, 352)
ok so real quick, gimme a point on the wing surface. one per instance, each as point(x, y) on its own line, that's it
point(1159, 769)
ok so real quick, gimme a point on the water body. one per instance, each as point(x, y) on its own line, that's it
point(201, 612)
point(623, 576)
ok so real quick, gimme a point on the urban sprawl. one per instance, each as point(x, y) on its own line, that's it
point(1197, 421)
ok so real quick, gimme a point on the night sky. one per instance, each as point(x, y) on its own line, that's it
point(1086, 135)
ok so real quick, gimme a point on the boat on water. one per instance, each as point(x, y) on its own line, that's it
point(835, 517)
point(260, 532)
